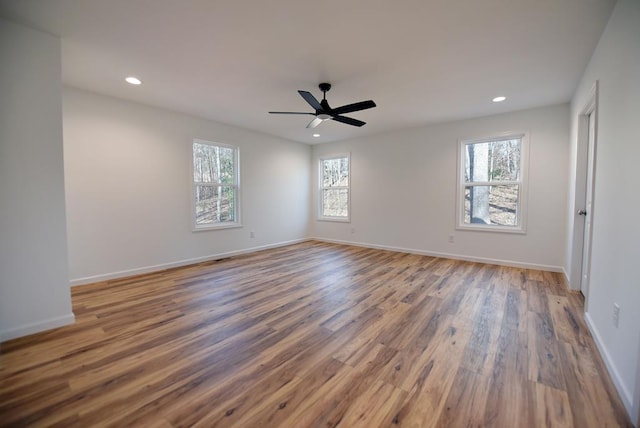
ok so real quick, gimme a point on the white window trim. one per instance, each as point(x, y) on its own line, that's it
point(523, 183)
point(321, 217)
point(236, 159)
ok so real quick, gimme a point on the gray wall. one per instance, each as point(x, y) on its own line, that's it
point(403, 189)
point(127, 173)
point(616, 231)
point(34, 284)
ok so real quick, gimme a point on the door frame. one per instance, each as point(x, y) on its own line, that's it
point(589, 148)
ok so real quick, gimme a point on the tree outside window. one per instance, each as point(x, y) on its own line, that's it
point(215, 184)
point(491, 183)
point(334, 188)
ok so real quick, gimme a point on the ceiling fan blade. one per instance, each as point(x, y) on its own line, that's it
point(289, 112)
point(348, 120)
point(315, 122)
point(362, 105)
point(325, 106)
point(308, 97)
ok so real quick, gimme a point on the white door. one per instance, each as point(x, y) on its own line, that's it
point(587, 211)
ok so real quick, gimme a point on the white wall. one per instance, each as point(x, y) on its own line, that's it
point(128, 188)
point(34, 285)
point(404, 189)
point(616, 231)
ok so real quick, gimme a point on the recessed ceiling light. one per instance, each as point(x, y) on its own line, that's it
point(499, 99)
point(316, 135)
point(133, 80)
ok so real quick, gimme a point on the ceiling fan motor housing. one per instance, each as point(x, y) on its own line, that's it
point(324, 87)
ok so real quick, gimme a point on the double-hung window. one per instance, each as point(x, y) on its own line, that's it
point(492, 181)
point(216, 188)
point(334, 187)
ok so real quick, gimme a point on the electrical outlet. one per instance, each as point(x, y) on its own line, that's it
point(451, 239)
point(252, 234)
point(616, 314)
point(353, 230)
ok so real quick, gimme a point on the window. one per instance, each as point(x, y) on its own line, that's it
point(492, 184)
point(215, 185)
point(334, 188)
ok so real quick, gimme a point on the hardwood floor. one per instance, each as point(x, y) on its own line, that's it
point(315, 334)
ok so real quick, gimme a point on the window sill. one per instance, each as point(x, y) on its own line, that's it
point(216, 227)
point(335, 219)
point(493, 229)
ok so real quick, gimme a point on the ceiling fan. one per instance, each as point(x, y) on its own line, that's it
point(325, 112)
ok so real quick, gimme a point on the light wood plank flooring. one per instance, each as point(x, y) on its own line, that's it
point(312, 335)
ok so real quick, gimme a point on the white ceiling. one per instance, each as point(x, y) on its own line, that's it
point(232, 61)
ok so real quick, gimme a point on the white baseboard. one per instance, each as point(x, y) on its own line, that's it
point(185, 262)
point(37, 327)
point(510, 263)
point(217, 256)
point(565, 274)
point(625, 395)
point(567, 281)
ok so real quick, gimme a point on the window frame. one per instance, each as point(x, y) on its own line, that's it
point(321, 188)
point(236, 186)
point(523, 184)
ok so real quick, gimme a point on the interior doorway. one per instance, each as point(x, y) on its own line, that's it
point(587, 143)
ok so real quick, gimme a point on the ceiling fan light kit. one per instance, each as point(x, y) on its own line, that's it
point(324, 112)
